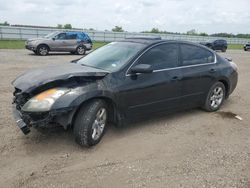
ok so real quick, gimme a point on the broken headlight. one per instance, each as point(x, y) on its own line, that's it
point(43, 101)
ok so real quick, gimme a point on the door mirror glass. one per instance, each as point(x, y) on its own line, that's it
point(141, 68)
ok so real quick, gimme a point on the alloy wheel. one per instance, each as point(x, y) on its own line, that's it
point(99, 123)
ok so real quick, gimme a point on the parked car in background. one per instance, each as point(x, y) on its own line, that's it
point(69, 41)
point(247, 46)
point(122, 81)
point(216, 45)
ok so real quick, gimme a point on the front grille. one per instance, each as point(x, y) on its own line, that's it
point(20, 98)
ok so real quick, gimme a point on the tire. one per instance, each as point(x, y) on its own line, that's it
point(34, 52)
point(215, 97)
point(80, 50)
point(42, 50)
point(89, 126)
point(73, 53)
point(224, 49)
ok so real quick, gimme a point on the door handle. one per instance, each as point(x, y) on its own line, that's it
point(212, 70)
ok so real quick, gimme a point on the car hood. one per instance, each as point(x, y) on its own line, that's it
point(50, 74)
point(38, 40)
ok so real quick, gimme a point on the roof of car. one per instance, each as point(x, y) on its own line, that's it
point(145, 40)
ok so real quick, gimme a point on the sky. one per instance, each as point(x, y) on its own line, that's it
point(210, 16)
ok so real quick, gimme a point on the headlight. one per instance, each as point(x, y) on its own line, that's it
point(43, 101)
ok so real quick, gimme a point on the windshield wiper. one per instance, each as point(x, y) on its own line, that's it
point(93, 67)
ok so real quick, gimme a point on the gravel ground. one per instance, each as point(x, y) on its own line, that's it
point(186, 149)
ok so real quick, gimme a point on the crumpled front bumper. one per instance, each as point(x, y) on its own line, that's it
point(30, 47)
point(61, 117)
point(19, 121)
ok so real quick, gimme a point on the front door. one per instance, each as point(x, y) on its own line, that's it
point(142, 94)
point(59, 42)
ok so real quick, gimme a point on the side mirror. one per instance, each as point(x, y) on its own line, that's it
point(53, 38)
point(141, 68)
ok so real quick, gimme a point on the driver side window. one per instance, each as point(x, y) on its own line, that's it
point(161, 57)
point(61, 36)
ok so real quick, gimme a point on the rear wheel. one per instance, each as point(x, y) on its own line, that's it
point(224, 49)
point(42, 50)
point(215, 97)
point(80, 50)
point(90, 123)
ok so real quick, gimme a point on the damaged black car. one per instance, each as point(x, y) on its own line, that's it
point(122, 81)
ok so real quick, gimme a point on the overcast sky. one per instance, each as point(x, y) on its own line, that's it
point(209, 16)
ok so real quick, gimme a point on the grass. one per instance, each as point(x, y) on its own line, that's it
point(235, 46)
point(12, 44)
point(19, 44)
point(98, 44)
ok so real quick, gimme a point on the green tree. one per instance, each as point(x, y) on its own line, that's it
point(203, 34)
point(59, 26)
point(192, 32)
point(67, 26)
point(5, 23)
point(155, 30)
point(117, 29)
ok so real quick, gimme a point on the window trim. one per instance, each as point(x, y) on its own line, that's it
point(181, 57)
point(178, 67)
point(60, 34)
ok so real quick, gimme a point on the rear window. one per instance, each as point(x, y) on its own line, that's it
point(195, 55)
point(71, 36)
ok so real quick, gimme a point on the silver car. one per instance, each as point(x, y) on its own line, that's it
point(69, 41)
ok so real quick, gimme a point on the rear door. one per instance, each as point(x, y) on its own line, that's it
point(198, 71)
point(71, 41)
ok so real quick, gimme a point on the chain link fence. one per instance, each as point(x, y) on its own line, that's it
point(23, 33)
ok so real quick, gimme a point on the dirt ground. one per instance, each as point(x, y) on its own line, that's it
point(186, 149)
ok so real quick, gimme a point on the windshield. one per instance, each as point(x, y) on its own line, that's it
point(51, 35)
point(112, 56)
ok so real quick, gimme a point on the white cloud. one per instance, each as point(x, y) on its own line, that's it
point(133, 15)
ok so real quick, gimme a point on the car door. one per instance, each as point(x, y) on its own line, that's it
point(198, 71)
point(59, 42)
point(71, 41)
point(156, 91)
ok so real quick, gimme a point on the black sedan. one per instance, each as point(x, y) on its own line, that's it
point(216, 45)
point(122, 81)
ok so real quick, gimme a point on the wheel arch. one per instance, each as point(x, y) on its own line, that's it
point(112, 107)
point(226, 84)
point(44, 45)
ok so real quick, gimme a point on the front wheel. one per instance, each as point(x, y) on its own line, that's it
point(90, 123)
point(215, 97)
point(42, 50)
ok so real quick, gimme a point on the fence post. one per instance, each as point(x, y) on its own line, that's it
point(20, 33)
point(1, 33)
